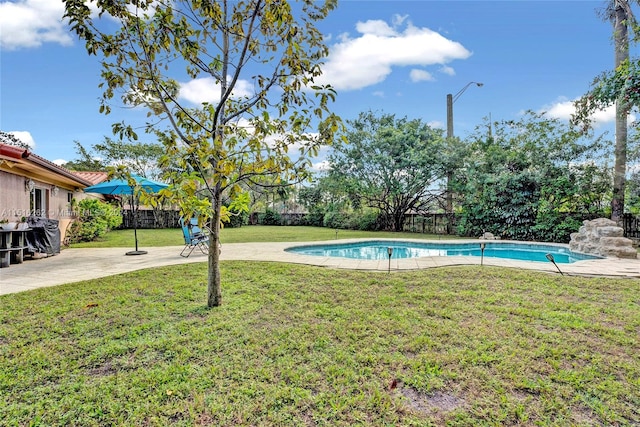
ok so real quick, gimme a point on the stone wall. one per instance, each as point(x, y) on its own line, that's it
point(602, 237)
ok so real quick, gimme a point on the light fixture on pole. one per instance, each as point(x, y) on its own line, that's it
point(450, 100)
point(553, 261)
point(29, 185)
point(482, 246)
point(390, 253)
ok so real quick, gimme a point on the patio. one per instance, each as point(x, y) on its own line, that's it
point(73, 265)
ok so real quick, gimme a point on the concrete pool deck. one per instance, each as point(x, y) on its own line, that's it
point(74, 265)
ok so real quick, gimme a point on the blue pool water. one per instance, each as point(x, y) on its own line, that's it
point(377, 250)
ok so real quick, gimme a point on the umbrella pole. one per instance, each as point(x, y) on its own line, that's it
point(135, 226)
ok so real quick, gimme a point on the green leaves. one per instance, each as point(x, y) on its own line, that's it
point(528, 178)
point(254, 61)
point(390, 163)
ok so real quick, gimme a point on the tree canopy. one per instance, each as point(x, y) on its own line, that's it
point(136, 157)
point(390, 164)
point(531, 179)
point(86, 161)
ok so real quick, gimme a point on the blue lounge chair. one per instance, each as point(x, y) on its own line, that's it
point(194, 237)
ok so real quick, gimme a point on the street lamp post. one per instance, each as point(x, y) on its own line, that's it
point(450, 100)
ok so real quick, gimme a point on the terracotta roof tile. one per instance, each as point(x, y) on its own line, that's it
point(93, 177)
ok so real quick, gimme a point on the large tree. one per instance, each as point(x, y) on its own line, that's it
point(86, 161)
point(609, 89)
point(390, 164)
point(260, 57)
point(137, 157)
point(141, 158)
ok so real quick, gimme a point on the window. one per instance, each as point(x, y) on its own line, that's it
point(39, 202)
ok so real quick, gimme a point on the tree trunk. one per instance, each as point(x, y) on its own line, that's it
point(214, 290)
point(621, 44)
point(619, 169)
point(398, 221)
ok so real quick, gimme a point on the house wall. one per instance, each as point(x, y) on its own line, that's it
point(15, 200)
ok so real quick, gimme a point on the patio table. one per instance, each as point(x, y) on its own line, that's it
point(12, 246)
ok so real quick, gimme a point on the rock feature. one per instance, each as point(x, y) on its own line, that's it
point(602, 237)
point(488, 236)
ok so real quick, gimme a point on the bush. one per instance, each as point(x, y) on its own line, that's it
point(237, 219)
point(314, 218)
point(555, 227)
point(335, 219)
point(367, 221)
point(271, 217)
point(94, 220)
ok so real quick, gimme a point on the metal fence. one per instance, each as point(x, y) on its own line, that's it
point(151, 219)
point(631, 226)
point(435, 223)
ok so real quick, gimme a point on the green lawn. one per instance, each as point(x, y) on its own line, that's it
point(254, 233)
point(308, 346)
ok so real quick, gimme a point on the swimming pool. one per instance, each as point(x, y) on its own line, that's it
point(378, 250)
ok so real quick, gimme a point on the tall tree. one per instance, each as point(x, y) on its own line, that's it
point(141, 158)
point(620, 14)
point(86, 161)
point(137, 157)
point(391, 164)
point(259, 57)
point(606, 91)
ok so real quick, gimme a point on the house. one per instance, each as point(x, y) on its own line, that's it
point(33, 186)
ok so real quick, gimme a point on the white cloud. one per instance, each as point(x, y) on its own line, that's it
point(445, 69)
point(24, 137)
point(420, 76)
point(377, 28)
point(206, 89)
point(59, 162)
point(321, 166)
point(398, 20)
point(368, 59)
point(563, 109)
point(436, 124)
point(30, 23)
point(378, 93)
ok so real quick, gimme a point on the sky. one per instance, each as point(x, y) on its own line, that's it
point(392, 57)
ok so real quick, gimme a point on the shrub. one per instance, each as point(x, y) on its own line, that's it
point(271, 217)
point(237, 219)
point(314, 219)
point(95, 219)
point(366, 221)
point(553, 226)
point(335, 219)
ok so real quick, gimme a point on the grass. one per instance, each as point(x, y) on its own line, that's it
point(301, 345)
point(307, 346)
point(254, 233)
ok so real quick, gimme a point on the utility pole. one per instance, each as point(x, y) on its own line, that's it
point(450, 100)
